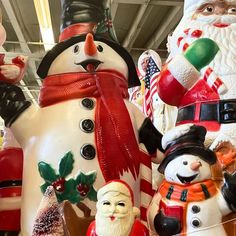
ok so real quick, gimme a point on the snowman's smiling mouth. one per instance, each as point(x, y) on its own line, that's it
point(186, 180)
point(89, 65)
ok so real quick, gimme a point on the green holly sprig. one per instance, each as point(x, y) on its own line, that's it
point(73, 190)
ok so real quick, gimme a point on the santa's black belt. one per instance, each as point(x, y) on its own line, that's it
point(223, 111)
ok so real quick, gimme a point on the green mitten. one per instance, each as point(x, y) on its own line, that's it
point(201, 52)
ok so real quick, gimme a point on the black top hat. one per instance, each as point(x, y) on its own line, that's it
point(191, 142)
point(80, 17)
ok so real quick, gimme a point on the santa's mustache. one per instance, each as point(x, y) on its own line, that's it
point(116, 215)
point(224, 19)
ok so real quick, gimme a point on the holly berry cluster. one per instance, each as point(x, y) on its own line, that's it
point(73, 190)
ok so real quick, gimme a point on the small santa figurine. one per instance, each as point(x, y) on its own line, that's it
point(204, 93)
point(116, 214)
point(188, 201)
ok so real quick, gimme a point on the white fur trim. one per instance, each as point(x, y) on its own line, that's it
point(183, 71)
point(174, 134)
point(10, 203)
point(221, 138)
point(114, 186)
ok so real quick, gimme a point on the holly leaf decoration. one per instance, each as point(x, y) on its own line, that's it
point(47, 172)
point(88, 178)
point(74, 190)
point(85, 184)
point(92, 195)
point(66, 165)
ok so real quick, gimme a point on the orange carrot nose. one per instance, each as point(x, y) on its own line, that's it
point(90, 48)
point(195, 165)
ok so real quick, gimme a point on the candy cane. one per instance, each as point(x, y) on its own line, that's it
point(208, 74)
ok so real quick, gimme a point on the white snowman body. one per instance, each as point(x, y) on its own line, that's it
point(47, 133)
point(202, 217)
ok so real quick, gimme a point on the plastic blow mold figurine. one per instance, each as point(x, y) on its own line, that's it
point(85, 132)
point(188, 201)
point(11, 155)
point(116, 214)
point(204, 93)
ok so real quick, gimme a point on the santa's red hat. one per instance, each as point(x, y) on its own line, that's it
point(117, 185)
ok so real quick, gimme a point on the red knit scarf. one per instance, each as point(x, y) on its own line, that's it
point(188, 193)
point(117, 148)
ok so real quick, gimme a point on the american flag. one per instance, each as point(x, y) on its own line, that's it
point(150, 80)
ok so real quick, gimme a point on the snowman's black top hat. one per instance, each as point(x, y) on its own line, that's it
point(80, 17)
point(191, 142)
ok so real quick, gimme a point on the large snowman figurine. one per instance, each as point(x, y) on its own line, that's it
point(188, 201)
point(205, 94)
point(85, 131)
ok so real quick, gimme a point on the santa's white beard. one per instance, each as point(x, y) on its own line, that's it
point(224, 63)
point(118, 227)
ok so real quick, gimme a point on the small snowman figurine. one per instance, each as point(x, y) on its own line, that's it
point(188, 201)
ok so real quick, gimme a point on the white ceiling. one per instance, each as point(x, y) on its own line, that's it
point(139, 25)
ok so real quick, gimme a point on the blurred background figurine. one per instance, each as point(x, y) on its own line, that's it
point(11, 155)
point(116, 214)
point(85, 88)
point(146, 97)
point(188, 201)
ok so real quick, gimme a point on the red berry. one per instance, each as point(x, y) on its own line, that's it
point(86, 188)
point(83, 193)
point(59, 185)
point(80, 188)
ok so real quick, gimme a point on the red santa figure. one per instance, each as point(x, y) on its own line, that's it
point(116, 214)
point(204, 93)
point(11, 155)
point(85, 123)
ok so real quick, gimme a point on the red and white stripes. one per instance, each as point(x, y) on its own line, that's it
point(182, 42)
point(148, 97)
point(214, 81)
point(145, 186)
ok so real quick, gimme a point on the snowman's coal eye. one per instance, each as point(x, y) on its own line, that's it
point(76, 48)
point(185, 163)
point(100, 48)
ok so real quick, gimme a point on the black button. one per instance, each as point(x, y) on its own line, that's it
point(88, 152)
point(88, 103)
point(196, 209)
point(196, 222)
point(87, 125)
